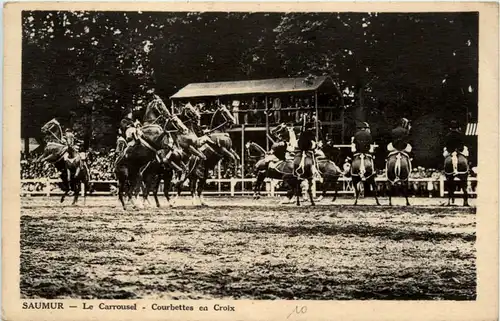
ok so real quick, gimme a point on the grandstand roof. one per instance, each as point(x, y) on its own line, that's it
point(262, 86)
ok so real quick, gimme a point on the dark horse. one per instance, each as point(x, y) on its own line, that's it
point(303, 164)
point(154, 136)
point(363, 172)
point(73, 170)
point(398, 169)
point(186, 144)
point(221, 150)
point(282, 170)
point(162, 168)
point(461, 174)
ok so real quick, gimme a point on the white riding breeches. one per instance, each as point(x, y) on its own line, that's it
point(465, 152)
point(130, 132)
point(407, 149)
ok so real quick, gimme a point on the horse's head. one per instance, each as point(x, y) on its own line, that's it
point(178, 124)
point(279, 130)
point(192, 113)
point(226, 114)
point(156, 109)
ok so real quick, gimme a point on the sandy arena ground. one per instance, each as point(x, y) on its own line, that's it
point(238, 248)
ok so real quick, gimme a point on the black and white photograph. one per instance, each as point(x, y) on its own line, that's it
point(249, 155)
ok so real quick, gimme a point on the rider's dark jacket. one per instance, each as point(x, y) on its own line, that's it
point(279, 150)
point(400, 138)
point(454, 140)
point(362, 141)
point(306, 139)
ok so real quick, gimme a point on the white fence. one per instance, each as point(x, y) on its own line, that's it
point(271, 186)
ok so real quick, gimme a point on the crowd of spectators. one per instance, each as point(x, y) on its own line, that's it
point(101, 169)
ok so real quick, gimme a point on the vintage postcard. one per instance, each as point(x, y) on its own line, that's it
point(250, 161)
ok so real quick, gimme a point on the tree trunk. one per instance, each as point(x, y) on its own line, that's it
point(360, 110)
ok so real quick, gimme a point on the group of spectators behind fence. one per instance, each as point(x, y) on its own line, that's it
point(101, 169)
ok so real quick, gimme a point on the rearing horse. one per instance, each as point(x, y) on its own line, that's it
point(154, 136)
point(73, 171)
point(221, 148)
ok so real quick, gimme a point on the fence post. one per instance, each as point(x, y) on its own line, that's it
point(272, 183)
point(47, 186)
point(232, 184)
point(314, 188)
point(441, 186)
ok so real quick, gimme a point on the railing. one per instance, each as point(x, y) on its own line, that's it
point(270, 190)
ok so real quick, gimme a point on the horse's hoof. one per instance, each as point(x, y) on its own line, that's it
point(313, 204)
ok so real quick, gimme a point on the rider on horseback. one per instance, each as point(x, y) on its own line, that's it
point(129, 125)
point(69, 139)
point(455, 144)
point(362, 140)
point(400, 138)
point(307, 143)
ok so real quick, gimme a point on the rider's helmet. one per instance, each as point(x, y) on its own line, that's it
point(454, 126)
point(68, 130)
point(405, 123)
point(310, 126)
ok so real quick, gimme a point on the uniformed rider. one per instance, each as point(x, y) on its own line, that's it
point(455, 143)
point(307, 143)
point(129, 127)
point(362, 142)
point(400, 138)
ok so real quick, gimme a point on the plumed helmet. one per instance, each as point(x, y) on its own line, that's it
point(364, 125)
point(405, 123)
point(454, 125)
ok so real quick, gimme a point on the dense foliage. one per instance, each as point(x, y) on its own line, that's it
point(86, 67)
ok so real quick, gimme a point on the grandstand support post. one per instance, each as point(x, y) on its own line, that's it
point(232, 185)
point(218, 175)
point(267, 125)
point(342, 119)
point(441, 186)
point(242, 154)
point(317, 114)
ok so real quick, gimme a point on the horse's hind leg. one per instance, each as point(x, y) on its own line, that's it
point(374, 185)
point(356, 190)
point(297, 191)
point(309, 191)
point(450, 183)
point(463, 183)
point(390, 192)
point(77, 193)
point(405, 191)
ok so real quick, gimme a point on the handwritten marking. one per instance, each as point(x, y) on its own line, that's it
point(297, 310)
